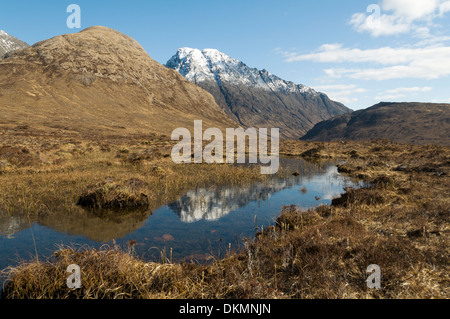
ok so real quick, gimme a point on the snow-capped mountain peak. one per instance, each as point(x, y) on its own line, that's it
point(212, 65)
point(192, 64)
point(252, 97)
point(9, 43)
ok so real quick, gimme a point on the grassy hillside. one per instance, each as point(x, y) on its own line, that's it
point(98, 81)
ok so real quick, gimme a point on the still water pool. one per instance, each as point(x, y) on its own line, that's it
point(205, 221)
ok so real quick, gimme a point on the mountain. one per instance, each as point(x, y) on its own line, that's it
point(255, 98)
point(9, 43)
point(99, 81)
point(413, 123)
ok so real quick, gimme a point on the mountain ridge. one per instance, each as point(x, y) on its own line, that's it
point(252, 97)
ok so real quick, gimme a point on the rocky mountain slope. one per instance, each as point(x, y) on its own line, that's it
point(255, 98)
point(99, 81)
point(9, 43)
point(415, 123)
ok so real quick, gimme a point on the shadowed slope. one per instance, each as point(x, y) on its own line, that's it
point(416, 123)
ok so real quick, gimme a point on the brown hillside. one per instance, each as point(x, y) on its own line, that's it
point(414, 123)
point(99, 81)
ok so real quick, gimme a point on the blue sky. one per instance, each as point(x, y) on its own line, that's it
point(398, 50)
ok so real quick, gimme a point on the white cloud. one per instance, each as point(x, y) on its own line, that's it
point(428, 57)
point(411, 10)
point(401, 93)
point(429, 62)
point(427, 39)
point(336, 87)
point(337, 53)
point(345, 99)
point(380, 25)
point(410, 90)
point(444, 8)
point(344, 93)
point(394, 17)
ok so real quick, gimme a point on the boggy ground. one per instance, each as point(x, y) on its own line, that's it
point(42, 174)
point(399, 221)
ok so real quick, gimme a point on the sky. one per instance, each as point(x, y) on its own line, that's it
point(359, 52)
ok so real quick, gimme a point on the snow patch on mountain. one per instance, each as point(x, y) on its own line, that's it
point(9, 43)
point(212, 65)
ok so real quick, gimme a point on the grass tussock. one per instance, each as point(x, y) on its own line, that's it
point(110, 195)
point(107, 273)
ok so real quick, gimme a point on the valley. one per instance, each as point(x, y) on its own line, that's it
point(90, 123)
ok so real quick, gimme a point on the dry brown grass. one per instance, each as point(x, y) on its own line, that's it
point(399, 221)
point(90, 172)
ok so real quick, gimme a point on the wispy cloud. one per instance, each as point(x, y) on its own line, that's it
point(344, 93)
point(426, 56)
point(430, 62)
point(401, 93)
point(410, 90)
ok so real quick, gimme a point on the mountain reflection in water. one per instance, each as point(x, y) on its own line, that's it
point(203, 221)
point(215, 202)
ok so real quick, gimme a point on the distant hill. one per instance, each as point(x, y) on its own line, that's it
point(255, 98)
point(414, 123)
point(99, 81)
point(9, 43)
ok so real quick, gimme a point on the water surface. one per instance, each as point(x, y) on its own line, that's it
point(204, 221)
